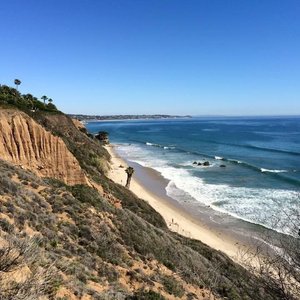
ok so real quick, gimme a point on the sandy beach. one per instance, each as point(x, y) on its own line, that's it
point(178, 220)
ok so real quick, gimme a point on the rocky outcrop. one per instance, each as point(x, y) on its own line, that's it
point(102, 136)
point(26, 143)
point(78, 124)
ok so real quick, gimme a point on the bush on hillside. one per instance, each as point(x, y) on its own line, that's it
point(10, 97)
point(15, 255)
point(145, 295)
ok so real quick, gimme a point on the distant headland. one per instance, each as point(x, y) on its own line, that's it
point(123, 117)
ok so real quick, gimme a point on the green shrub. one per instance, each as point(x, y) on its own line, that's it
point(6, 226)
point(145, 295)
point(172, 286)
point(53, 243)
point(8, 186)
point(34, 185)
point(86, 194)
point(133, 203)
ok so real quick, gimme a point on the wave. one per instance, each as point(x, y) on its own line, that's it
point(273, 171)
point(239, 202)
point(270, 172)
point(160, 146)
point(210, 129)
point(272, 149)
point(253, 147)
point(235, 161)
point(218, 158)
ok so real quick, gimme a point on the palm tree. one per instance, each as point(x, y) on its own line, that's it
point(129, 171)
point(29, 99)
point(50, 100)
point(17, 83)
point(44, 98)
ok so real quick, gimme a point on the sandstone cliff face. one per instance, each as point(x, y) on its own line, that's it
point(26, 143)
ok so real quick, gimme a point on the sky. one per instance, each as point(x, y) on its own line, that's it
point(198, 57)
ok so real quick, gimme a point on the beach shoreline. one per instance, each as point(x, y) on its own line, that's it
point(149, 185)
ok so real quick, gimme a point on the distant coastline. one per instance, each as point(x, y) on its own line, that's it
point(91, 118)
point(97, 118)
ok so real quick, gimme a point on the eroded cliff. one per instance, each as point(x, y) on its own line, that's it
point(26, 143)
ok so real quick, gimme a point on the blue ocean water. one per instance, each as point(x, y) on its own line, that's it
point(261, 180)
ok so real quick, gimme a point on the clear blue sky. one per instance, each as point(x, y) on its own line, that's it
point(232, 57)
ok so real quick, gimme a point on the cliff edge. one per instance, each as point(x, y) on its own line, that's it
point(26, 143)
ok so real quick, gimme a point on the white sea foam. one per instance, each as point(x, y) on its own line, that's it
point(160, 146)
point(218, 157)
point(261, 206)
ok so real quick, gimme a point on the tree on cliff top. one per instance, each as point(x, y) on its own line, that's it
point(17, 83)
point(44, 98)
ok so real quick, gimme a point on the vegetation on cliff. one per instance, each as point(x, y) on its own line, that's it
point(100, 250)
point(11, 97)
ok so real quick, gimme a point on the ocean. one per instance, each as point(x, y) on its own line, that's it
point(261, 178)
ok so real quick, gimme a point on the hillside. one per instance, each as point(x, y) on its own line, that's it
point(69, 232)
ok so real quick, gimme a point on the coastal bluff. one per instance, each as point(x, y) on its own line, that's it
point(85, 236)
point(26, 143)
